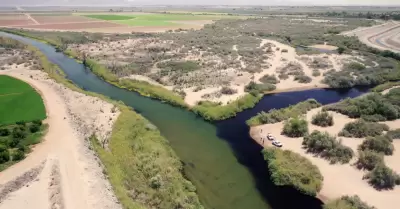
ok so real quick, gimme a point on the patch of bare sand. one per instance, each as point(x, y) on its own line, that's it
point(324, 46)
point(387, 90)
point(72, 116)
point(339, 179)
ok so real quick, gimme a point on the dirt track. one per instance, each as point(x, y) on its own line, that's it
point(61, 172)
point(384, 37)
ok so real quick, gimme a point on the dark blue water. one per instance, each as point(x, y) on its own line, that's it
point(221, 159)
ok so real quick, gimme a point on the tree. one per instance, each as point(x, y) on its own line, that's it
point(295, 127)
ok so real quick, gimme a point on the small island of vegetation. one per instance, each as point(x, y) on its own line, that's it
point(291, 169)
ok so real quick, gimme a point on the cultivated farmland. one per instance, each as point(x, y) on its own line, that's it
point(19, 102)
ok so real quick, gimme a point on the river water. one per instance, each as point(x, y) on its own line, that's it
point(220, 158)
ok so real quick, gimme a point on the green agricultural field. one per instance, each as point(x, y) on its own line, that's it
point(155, 19)
point(110, 17)
point(19, 102)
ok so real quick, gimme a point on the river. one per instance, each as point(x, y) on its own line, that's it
point(220, 158)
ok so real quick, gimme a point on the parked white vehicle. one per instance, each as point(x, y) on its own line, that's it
point(277, 143)
point(270, 137)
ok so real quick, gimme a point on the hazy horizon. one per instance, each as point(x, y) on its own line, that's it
point(203, 2)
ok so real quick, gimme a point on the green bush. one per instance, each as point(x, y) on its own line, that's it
point(328, 147)
point(19, 132)
point(347, 202)
point(4, 132)
point(371, 107)
point(295, 127)
point(382, 177)
point(34, 127)
point(361, 128)
point(322, 119)
point(18, 155)
point(369, 159)
point(380, 144)
point(291, 169)
point(4, 156)
point(275, 116)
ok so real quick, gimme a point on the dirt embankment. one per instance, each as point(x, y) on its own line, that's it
point(71, 176)
point(385, 36)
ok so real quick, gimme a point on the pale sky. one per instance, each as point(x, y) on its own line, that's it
point(201, 2)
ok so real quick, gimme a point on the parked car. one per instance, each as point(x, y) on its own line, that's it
point(270, 137)
point(277, 143)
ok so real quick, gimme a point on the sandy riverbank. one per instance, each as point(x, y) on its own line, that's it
point(339, 179)
point(70, 176)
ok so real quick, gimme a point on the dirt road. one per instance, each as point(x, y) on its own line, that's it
point(70, 176)
point(385, 36)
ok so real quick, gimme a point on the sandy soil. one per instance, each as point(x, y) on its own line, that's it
point(324, 46)
point(71, 177)
point(384, 36)
point(339, 179)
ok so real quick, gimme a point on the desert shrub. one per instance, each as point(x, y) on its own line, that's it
point(380, 144)
point(275, 116)
point(382, 177)
point(17, 155)
point(291, 169)
point(369, 159)
point(283, 76)
point(361, 128)
point(347, 202)
point(228, 90)
point(373, 107)
point(284, 50)
point(393, 134)
point(259, 88)
point(328, 147)
point(316, 73)
point(295, 127)
point(322, 119)
point(302, 79)
point(271, 79)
